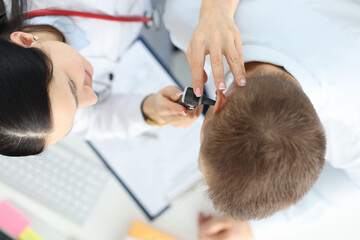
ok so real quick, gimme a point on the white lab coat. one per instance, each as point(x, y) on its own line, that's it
point(102, 43)
point(318, 42)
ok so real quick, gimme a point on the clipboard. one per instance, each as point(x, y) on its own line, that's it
point(173, 152)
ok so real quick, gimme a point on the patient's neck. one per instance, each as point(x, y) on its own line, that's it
point(261, 68)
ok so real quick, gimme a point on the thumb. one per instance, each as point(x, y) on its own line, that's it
point(172, 93)
point(214, 226)
point(202, 218)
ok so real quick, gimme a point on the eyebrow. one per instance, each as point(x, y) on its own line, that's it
point(73, 90)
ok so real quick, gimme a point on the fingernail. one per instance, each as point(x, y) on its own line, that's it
point(242, 82)
point(178, 94)
point(198, 92)
point(222, 85)
point(183, 113)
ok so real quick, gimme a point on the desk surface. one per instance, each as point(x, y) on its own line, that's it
point(115, 210)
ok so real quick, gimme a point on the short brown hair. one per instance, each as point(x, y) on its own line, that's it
point(264, 150)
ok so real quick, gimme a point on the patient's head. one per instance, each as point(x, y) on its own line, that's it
point(263, 150)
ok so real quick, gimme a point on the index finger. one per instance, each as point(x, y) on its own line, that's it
point(196, 57)
point(169, 107)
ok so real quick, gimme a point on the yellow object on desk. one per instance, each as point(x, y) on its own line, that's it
point(141, 231)
point(29, 234)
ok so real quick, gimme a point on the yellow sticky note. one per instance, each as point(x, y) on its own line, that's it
point(143, 232)
point(29, 234)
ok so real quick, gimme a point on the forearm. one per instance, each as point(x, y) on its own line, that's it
point(219, 7)
point(119, 117)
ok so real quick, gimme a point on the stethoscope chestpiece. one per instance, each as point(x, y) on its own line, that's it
point(155, 22)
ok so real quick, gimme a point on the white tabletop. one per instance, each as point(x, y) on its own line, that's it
point(115, 211)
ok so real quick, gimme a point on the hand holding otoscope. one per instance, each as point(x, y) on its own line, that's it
point(170, 106)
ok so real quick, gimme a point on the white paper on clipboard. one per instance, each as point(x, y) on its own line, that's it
point(158, 166)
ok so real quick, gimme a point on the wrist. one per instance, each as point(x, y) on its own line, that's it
point(146, 107)
point(223, 8)
point(147, 110)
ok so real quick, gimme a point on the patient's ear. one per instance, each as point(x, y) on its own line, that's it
point(220, 101)
point(22, 39)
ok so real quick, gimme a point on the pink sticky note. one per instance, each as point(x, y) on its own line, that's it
point(11, 220)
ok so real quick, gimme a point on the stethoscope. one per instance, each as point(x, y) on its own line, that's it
point(152, 20)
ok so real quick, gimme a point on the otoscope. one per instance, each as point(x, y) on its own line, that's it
point(190, 100)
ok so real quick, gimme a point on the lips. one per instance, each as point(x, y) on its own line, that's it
point(89, 83)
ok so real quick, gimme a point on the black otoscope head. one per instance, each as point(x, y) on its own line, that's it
point(190, 100)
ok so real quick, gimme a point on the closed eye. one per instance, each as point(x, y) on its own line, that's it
point(73, 89)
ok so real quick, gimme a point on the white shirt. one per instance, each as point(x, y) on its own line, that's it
point(102, 43)
point(318, 42)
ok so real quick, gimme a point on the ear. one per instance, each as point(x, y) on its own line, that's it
point(22, 39)
point(220, 101)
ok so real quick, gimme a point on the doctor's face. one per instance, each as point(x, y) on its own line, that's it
point(70, 87)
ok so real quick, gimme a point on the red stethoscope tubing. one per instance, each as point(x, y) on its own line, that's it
point(55, 12)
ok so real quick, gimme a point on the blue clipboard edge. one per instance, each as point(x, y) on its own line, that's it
point(150, 217)
point(165, 67)
point(147, 45)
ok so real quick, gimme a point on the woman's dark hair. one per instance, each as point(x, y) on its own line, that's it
point(25, 75)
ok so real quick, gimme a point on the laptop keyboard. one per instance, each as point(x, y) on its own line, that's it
point(58, 178)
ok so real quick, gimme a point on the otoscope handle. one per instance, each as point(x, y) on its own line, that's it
point(186, 105)
point(190, 100)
